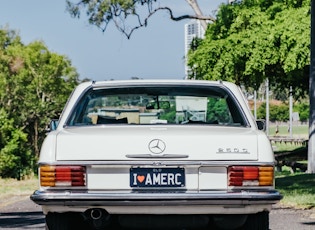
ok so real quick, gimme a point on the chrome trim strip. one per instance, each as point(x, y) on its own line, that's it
point(156, 156)
point(155, 160)
point(65, 198)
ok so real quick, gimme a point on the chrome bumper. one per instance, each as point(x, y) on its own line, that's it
point(84, 198)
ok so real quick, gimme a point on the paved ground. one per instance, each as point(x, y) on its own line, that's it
point(291, 219)
point(21, 213)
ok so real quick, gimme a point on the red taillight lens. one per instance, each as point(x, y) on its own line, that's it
point(251, 175)
point(51, 176)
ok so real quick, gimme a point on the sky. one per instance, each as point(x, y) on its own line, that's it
point(153, 52)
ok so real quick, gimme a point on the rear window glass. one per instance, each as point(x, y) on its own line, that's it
point(157, 105)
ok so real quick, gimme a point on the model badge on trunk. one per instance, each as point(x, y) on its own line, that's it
point(232, 150)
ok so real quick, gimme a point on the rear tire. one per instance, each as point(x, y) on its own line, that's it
point(258, 221)
point(65, 221)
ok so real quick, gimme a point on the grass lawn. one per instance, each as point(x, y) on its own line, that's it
point(300, 131)
point(12, 187)
point(298, 190)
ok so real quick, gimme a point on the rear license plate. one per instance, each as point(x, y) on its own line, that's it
point(157, 177)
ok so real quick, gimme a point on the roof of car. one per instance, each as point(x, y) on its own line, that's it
point(156, 81)
point(99, 84)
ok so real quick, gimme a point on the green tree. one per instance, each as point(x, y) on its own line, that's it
point(15, 158)
point(252, 40)
point(276, 112)
point(303, 108)
point(50, 80)
point(34, 86)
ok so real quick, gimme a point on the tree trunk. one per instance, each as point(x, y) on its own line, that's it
point(36, 148)
point(311, 144)
point(194, 5)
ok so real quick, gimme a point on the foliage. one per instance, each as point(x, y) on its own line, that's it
point(217, 110)
point(34, 86)
point(303, 108)
point(169, 114)
point(276, 112)
point(281, 112)
point(15, 158)
point(195, 42)
point(257, 39)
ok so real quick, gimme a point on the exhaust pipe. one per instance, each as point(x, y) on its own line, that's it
point(98, 218)
point(96, 214)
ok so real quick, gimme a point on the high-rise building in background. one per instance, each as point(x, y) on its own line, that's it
point(193, 29)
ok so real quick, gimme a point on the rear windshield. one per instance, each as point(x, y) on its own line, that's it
point(157, 105)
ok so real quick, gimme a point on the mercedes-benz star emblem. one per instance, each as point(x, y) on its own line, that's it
point(157, 146)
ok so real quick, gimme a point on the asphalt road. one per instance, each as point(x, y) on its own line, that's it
point(21, 213)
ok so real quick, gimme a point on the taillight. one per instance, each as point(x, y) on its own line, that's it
point(54, 176)
point(251, 175)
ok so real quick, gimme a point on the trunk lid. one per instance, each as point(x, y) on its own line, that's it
point(132, 143)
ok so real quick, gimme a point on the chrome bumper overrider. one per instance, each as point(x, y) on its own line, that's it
point(76, 198)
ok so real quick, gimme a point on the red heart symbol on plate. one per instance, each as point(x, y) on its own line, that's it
point(140, 178)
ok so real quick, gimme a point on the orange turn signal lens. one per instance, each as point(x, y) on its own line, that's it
point(266, 176)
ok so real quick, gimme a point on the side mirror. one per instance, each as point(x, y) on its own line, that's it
point(261, 124)
point(53, 125)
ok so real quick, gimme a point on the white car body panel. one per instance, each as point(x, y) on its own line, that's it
point(109, 154)
point(201, 144)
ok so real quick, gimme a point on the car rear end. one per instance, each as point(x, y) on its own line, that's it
point(141, 154)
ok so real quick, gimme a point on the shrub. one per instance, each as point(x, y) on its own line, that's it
point(276, 112)
point(15, 158)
